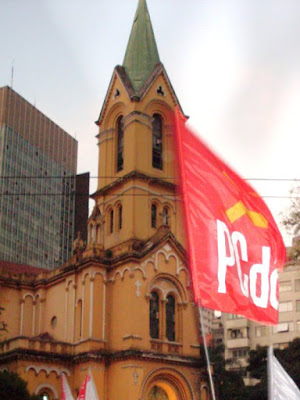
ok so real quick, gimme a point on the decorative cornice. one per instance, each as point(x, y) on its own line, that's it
point(151, 356)
point(130, 176)
point(96, 355)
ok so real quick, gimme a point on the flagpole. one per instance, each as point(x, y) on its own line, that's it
point(270, 372)
point(206, 354)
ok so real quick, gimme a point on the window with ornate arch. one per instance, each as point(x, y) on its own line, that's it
point(156, 315)
point(120, 144)
point(153, 216)
point(157, 145)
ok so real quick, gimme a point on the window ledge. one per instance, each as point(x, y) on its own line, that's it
point(165, 342)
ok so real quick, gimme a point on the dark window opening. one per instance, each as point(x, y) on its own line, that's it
point(154, 316)
point(120, 217)
point(120, 144)
point(111, 220)
point(153, 215)
point(157, 142)
point(170, 318)
point(160, 91)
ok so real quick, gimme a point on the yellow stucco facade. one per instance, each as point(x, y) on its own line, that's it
point(122, 306)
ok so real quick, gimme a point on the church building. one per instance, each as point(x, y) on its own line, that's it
point(121, 308)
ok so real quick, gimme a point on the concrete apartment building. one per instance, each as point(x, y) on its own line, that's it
point(242, 335)
point(38, 163)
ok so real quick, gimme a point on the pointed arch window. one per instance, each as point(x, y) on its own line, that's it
point(154, 315)
point(120, 144)
point(157, 142)
point(170, 318)
point(153, 215)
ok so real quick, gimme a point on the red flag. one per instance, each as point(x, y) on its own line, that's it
point(235, 246)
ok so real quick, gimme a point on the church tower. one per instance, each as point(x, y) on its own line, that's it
point(137, 225)
point(136, 194)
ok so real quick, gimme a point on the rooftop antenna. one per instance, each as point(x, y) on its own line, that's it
point(12, 74)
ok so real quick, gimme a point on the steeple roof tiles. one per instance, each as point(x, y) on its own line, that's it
point(141, 54)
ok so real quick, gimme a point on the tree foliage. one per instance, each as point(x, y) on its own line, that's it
point(292, 220)
point(12, 386)
point(228, 384)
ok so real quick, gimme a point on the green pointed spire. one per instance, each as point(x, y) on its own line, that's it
point(141, 54)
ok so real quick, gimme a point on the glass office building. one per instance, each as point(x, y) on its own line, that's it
point(37, 185)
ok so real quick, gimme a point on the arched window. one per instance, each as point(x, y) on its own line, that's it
point(154, 315)
point(111, 221)
point(166, 216)
point(157, 142)
point(120, 144)
point(153, 215)
point(78, 320)
point(120, 217)
point(170, 318)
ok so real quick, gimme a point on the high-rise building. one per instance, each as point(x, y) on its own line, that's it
point(122, 306)
point(37, 185)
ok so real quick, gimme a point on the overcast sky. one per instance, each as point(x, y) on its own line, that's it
point(235, 67)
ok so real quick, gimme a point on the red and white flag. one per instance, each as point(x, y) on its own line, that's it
point(88, 390)
point(235, 246)
point(66, 393)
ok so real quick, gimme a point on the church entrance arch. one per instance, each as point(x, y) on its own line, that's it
point(166, 384)
point(163, 391)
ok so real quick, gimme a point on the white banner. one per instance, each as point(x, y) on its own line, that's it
point(281, 385)
point(66, 393)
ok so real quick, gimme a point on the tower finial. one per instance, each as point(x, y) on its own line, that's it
point(141, 54)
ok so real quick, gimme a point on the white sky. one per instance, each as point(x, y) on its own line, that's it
point(234, 64)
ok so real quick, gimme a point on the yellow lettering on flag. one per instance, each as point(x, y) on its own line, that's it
point(239, 210)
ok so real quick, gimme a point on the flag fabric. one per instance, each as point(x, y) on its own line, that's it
point(280, 385)
point(66, 393)
point(88, 390)
point(235, 247)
